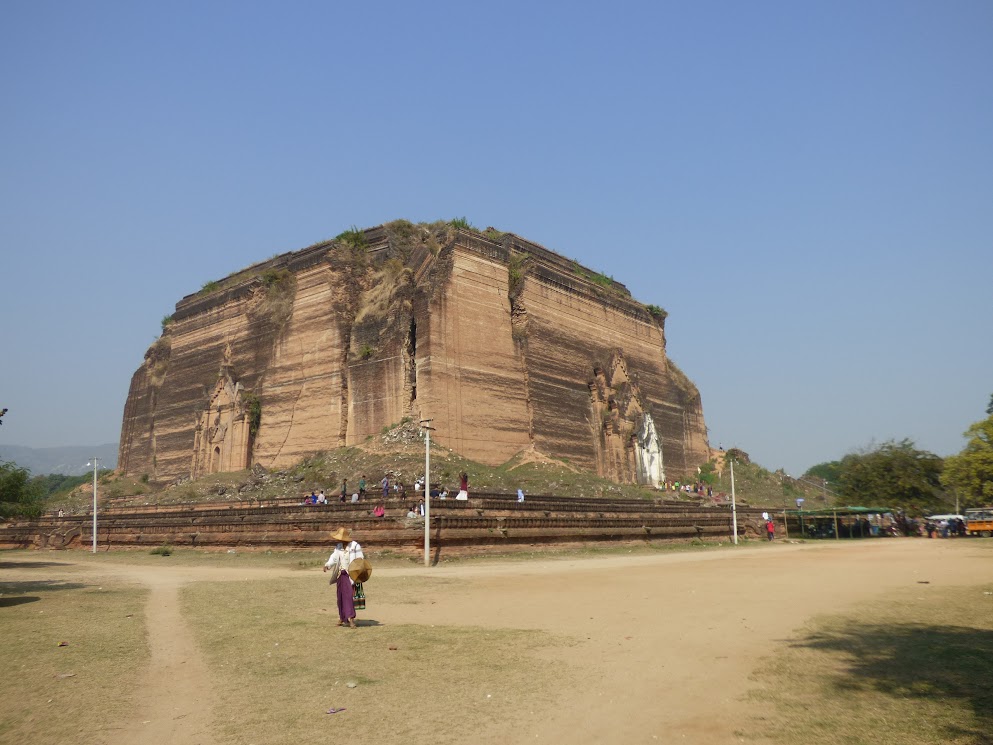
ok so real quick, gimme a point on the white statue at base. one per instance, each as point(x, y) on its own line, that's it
point(651, 469)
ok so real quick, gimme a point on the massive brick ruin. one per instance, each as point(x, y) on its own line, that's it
point(503, 344)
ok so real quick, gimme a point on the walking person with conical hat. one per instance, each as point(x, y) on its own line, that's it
point(346, 557)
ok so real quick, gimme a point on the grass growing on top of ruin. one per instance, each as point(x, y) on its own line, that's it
point(914, 668)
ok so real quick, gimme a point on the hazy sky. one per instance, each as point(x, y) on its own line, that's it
point(807, 187)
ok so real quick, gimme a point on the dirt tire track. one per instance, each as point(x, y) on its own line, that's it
point(175, 701)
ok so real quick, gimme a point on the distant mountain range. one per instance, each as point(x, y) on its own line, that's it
point(70, 460)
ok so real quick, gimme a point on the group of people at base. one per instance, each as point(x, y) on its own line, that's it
point(349, 571)
point(442, 493)
point(699, 488)
point(315, 498)
point(397, 486)
point(320, 498)
point(954, 528)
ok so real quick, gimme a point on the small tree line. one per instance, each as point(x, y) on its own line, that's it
point(898, 474)
point(24, 495)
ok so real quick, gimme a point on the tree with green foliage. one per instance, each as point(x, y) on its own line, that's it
point(708, 473)
point(829, 471)
point(52, 484)
point(970, 473)
point(989, 407)
point(896, 475)
point(19, 497)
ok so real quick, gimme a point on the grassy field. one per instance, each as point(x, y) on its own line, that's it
point(915, 668)
point(279, 664)
point(59, 694)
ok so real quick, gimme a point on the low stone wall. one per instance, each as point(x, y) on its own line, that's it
point(457, 527)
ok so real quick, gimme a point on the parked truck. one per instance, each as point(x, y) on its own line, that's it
point(979, 521)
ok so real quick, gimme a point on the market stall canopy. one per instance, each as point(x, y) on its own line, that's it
point(831, 511)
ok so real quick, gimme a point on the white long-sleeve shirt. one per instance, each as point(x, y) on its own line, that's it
point(346, 555)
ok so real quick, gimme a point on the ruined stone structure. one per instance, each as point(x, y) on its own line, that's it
point(503, 344)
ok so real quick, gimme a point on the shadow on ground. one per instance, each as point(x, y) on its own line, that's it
point(22, 588)
point(8, 602)
point(918, 661)
point(32, 564)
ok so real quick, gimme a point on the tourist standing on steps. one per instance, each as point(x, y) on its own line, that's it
point(463, 486)
point(770, 528)
point(362, 487)
point(345, 552)
point(344, 491)
point(386, 486)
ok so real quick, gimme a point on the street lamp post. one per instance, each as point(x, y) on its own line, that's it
point(734, 507)
point(94, 461)
point(426, 426)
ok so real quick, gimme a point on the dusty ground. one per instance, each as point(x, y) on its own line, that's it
point(667, 642)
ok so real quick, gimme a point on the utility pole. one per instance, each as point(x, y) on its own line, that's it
point(426, 426)
point(94, 462)
point(734, 507)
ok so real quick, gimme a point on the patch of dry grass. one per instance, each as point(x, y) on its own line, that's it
point(279, 663)
point(375, 301)
point(54, 694)
point(913, 668)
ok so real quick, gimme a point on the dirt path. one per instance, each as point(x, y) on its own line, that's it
point(664, 643)
point(175, 702)
point(175, 694)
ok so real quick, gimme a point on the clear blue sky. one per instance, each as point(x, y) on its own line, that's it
point(807, 187)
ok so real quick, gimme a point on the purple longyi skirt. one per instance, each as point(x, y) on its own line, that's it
point(346, 608)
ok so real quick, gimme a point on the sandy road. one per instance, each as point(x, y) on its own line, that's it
point(665, 643)
point(668, 642)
